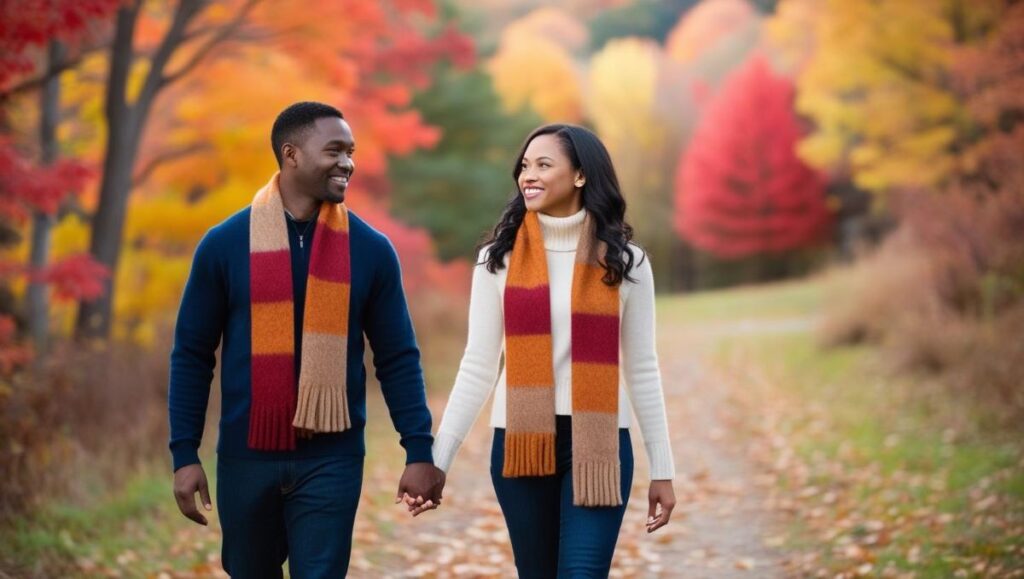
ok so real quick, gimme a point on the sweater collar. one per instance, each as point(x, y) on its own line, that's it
point(562, 233)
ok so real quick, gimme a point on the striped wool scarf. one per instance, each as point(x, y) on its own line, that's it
point(321, 404)
point(530, 426)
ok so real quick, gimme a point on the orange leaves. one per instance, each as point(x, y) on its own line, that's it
point(708, 24)
point(212, 130)
point(534, 68)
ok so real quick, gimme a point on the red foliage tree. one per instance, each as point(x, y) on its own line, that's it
point(741, 190)
point(29, 24)
point(32, 34)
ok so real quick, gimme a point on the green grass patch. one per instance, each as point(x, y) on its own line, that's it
point(769, 301)
point(132, 529)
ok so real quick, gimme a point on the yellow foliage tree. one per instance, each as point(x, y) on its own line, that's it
point(534, 67)
point(786, 35)
point(642, 126)
point(878, 88)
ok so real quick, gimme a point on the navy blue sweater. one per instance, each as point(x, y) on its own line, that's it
point(216, 305)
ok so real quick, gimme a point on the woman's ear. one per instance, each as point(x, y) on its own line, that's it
point(580, 179)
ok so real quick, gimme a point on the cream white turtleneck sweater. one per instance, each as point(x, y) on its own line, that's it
point(640, 378)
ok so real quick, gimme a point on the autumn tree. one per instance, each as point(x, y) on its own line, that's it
point(206, 151)
point(127, 106)
point(878, 88)
point(534, 67)
point(39, 40)
point(741, 189)
point(707, 24)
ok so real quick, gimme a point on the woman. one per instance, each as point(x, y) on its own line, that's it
point(559, 289)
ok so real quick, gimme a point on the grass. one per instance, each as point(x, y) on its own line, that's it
point(915, 460)
point(127, 529)
point(765, 302)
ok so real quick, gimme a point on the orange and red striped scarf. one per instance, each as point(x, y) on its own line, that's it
point(320, 404)
point(530, 425)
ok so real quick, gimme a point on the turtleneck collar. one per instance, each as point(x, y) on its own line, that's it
point(562, 233)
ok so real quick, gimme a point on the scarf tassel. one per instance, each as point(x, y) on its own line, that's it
point(318, 409)
point(529, 454)
point(270, 427)
point(596, 484)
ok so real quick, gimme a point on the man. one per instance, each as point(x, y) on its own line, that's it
point(292, 283)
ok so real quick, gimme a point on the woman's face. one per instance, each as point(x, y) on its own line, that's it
point(547, 180)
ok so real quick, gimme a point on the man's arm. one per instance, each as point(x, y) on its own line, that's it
point(197, 333)
point(396, 358)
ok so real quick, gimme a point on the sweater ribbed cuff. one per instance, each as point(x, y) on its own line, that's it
point(184, 453)
point(417, 449)
point(446, 447)
point(659, 455)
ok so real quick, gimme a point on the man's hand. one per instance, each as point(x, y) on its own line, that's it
point(188, 480)
point(660, 493)
point(420, 487)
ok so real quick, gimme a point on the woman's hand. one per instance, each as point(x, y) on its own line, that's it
point(660, 493)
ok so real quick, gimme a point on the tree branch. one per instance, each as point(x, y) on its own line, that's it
point(222, 34)
point(165, 157)
point(186, 11)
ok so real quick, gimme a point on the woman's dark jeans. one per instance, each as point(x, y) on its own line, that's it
point(550, 536)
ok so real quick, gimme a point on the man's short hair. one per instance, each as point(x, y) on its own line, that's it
point(295, 120)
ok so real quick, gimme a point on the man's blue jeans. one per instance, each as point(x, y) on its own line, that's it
point(550, 536)
point(302, 510)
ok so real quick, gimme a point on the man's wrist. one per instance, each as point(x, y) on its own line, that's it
point(184, 454)
point(419, 450)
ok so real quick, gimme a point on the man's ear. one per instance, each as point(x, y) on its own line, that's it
point(288, 155)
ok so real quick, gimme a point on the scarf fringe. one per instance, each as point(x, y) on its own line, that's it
point(529, 454)
point(596, 484)
point(270, 427)
point(318, 409)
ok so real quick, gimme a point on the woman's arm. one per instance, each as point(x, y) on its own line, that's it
point(478, 371)
point(643, 377)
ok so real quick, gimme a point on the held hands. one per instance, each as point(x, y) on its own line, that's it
point(420, 487)
point(188, 480)
point(660, 493)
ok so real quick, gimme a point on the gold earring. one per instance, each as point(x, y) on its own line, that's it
point(580, 183)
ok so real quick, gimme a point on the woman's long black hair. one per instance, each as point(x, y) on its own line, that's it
point(601, 197)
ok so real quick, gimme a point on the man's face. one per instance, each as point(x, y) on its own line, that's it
point(323, 160)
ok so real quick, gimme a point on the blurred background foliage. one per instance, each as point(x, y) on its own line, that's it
point(754, 140)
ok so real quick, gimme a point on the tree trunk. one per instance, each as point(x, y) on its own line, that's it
point(37, 293)
point(108, 221)
point(125, 124)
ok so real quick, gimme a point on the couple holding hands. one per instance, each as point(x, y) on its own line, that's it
point(561, 329)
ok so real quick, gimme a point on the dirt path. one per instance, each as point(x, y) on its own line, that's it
point(720, 527)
